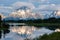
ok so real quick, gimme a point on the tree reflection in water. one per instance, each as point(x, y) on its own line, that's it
point(4, 29)
point(0, 33)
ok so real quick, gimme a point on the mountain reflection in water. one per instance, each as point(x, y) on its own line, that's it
point(23, 32)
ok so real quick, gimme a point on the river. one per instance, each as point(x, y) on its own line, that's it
point(23, 32)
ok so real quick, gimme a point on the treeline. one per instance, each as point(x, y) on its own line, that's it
point(50, 20)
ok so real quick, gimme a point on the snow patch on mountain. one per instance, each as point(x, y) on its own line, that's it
point(24, 13)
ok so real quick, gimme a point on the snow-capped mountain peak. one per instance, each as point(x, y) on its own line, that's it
point(24, 13)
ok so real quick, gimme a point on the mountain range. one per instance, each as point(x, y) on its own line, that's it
point(23, 13)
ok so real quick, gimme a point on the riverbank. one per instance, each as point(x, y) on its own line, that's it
point(43, 24)
point(51, 26)
point(53, 36)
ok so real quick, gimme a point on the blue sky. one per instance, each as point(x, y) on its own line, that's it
point(37, 2)
point(8, 6)
point(9, 2)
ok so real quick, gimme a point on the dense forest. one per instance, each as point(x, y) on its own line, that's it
point(49, 20)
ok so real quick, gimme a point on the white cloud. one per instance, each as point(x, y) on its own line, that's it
point(40, 1)
point(42, 6)
point(49, 7)
point(46, 1)
point(8, 7)
point(5, 9)
point(20, 4)
point(38, 13)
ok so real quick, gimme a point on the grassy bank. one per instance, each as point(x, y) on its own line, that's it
point(51, 26)
point(43, 24)
point(53, 36)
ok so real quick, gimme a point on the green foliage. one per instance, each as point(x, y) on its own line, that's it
point(49, 20)
point(4, 27)
point(53, 36)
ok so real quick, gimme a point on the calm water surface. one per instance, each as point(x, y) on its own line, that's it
point(23, 32)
